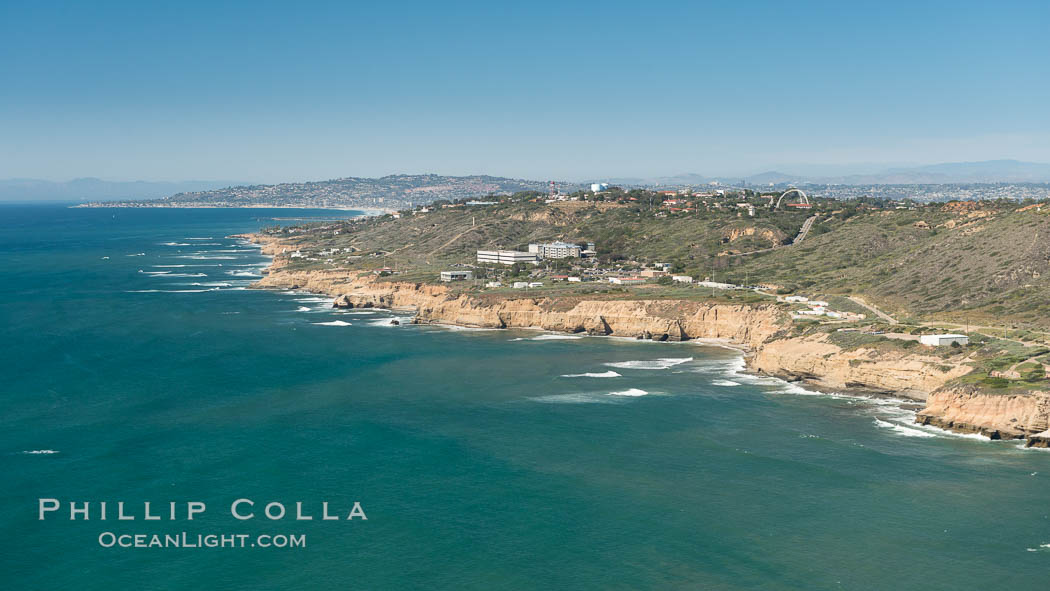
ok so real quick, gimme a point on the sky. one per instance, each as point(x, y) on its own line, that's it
point(278, 91)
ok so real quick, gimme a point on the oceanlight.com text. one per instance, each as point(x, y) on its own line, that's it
point(188, 540)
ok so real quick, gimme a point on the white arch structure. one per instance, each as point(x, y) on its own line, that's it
point(790, 191)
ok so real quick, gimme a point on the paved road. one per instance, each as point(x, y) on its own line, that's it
point(802, 233)
point(805, 229)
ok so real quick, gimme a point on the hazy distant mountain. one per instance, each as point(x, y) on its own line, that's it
point(92, 189)
point(663, 181)
point(772, 176)
point(389, 192)
point(988, 171)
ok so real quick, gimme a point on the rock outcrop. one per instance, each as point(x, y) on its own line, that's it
point(759, 328)
point(827, 366)
point(999, 416)
point(665, 320)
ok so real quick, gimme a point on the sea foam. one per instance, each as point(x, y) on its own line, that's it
point(662, 363)
point(603, 374)
point(629, 392)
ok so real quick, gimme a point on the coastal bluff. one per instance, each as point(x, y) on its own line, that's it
point(997, 416)
point(663, 320)
point(763, 331)
point(758, 329)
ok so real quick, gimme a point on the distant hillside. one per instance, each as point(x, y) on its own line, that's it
point(389, 192)
point(982, 262)
point(988, 171)
point(978, 261)
point(92, 189)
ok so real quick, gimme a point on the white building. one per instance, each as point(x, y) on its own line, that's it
point(626, 280)
point(506, 257)
point(682, 278)
point(556, 250)
point(520, 285)
point(716, 285)
point(457, 275)
point(494, 284)
point(598, 187)
point(940, 340)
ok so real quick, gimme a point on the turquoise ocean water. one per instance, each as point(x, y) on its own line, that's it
point(136, 367)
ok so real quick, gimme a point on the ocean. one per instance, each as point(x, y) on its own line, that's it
point(138, 367)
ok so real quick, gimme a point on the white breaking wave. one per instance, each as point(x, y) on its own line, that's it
point(166, 275)
point(171, 291)
point(629, 392)
point(333, 323)
point(604, 374)
point(212, 284)
point(549, 337)
point(243, 274)
point(174, 243)
point(902, 430)
point(39, 452)
point(208, 238)
point(577, 398)
point(154, 272)
point(388, 321)
point(302, 309)
point(201, 257)
point(724, 383)
point(137, 254)
point(662, 363)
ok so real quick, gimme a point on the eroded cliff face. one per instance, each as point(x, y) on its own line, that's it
point(758, 327)
point(999, 416)
point(826, 365)
point(671, 320)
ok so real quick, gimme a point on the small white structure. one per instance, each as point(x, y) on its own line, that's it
point(520, 284)
point(536, 284)
point(457, 275)
point(716, 285)
point(494, 284)
point(626, 280)
point(598, 187)
point(797, 299)
point(682, 278)
point(940, 340)
point(573, 279)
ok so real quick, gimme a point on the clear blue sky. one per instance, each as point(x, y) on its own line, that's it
point(270, 91)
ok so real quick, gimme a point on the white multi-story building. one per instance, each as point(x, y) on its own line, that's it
point(506, 257)
point(556, 250)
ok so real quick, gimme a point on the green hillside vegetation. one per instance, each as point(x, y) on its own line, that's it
point(621, 233)
point(986, 263)
point(989, 265)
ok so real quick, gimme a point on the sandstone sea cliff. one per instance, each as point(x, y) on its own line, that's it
point(761, 330)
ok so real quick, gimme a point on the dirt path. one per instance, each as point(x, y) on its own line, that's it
point(876, 311)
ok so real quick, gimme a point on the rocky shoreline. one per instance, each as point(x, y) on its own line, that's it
point(759, 330)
